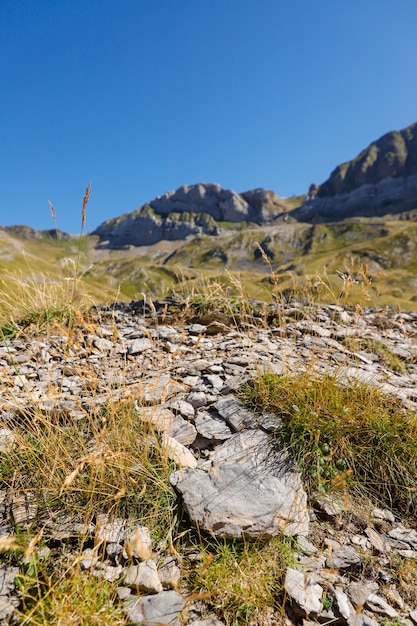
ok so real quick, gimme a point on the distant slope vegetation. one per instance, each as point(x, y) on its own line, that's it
point(294, 255)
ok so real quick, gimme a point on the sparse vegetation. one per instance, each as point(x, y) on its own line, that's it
point(387, 246)
point(108, 462)
point(243, 581)
point(344, 435)
point(388, 358)
point(71, 596)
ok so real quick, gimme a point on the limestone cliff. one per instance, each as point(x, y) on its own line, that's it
point(381, 179)
point(190, 210)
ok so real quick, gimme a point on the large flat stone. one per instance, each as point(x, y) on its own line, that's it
point(247, 488)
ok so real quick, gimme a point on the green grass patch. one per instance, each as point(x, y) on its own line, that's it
point(242, 580)
point(348, 436)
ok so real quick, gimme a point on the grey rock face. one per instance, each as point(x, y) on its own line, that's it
point(221, 204)
point(382, 179)
point(246, 488)
point(386, 196)
point(145, 227)
point(392, 156)
point(190, 210)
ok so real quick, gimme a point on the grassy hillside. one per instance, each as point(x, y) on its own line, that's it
point(311, 260)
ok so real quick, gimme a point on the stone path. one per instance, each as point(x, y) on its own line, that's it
point(232, 480)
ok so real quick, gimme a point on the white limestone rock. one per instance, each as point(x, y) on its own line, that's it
point(246, 488)
point(306, 593)
point(178, 453)
point(144, 577)
point(162, 608)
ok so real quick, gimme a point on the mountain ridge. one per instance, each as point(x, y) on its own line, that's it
point(381, 179)
point(199, 209)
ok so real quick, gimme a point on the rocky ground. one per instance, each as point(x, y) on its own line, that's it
point(181, 369)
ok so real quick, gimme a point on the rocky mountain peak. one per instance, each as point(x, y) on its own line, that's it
point(190, 210)
point(381, 179)
point(394, 155)
point(224, 205)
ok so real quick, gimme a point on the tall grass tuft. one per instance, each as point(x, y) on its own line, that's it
point(29, 300)
point(344, 434)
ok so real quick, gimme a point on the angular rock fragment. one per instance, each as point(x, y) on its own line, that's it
point(235, 413)
point(359, 592)
point(211, 428)
point(139, 345)
point(106, 572)
point(407, 535)
point(178, 453)
point(164, 420)
point(185, 408)
point(247, 488)
point(376, 604)
point(157, 390)
point(144, 577)
point(7, 607)
point(197, 399)
point(162, 608)
point(377, 541)
point(344, 558)
point(384, 514)
point(7, 577)
point(343, 604)
point(169, 573)
point(183, 431)
point(306, 593)
point(104, 345)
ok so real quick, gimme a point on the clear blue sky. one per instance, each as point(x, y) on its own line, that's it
point(142, 96)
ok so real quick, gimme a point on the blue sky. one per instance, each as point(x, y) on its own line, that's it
point(142, 96)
